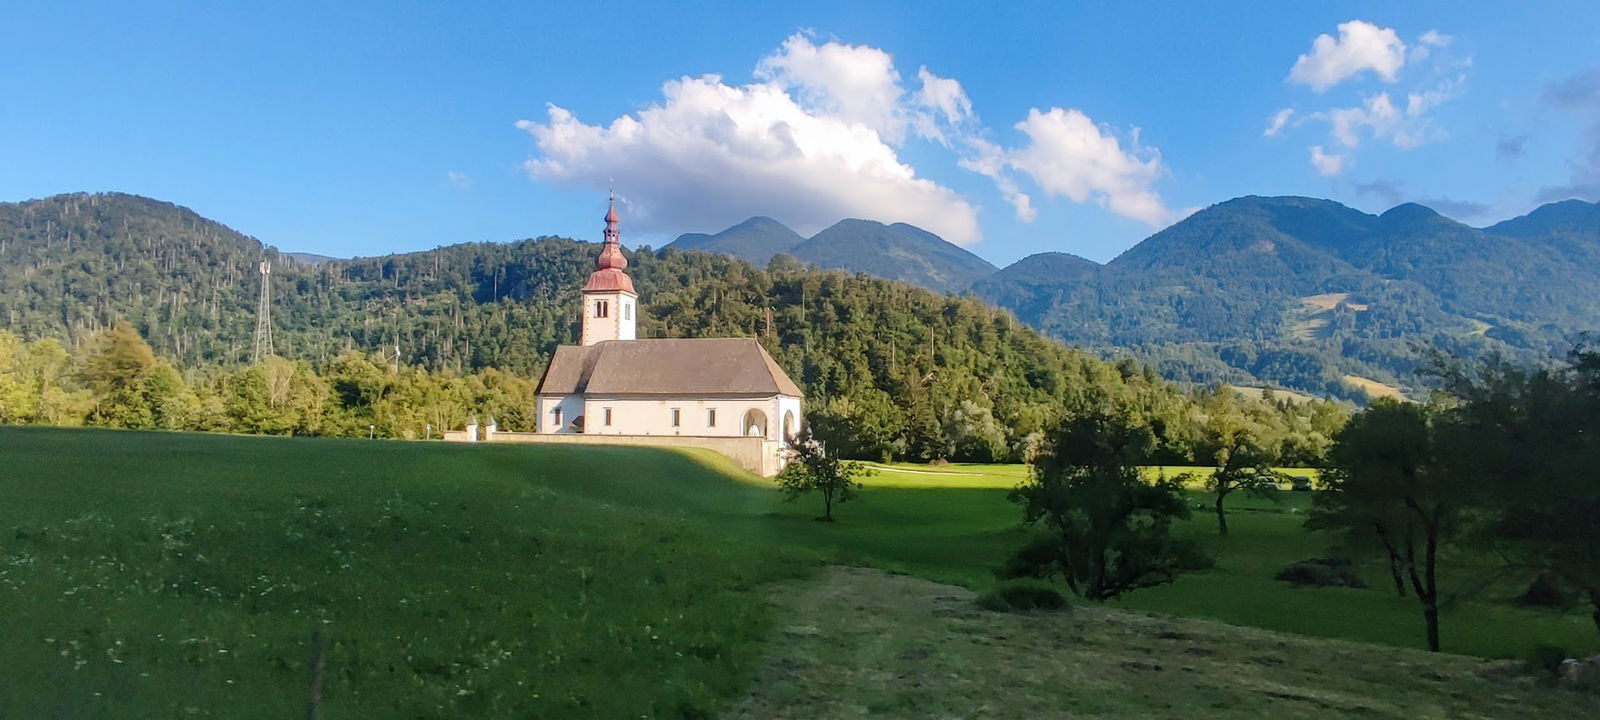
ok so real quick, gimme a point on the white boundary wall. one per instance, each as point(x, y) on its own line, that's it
point(757, 455)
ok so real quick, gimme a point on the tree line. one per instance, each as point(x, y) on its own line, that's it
point(890, 371)
point(1500, 464)
point(118, 381)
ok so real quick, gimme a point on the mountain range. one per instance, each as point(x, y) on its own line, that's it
point(1294, 292)
point(1287, 292)
point(899, 252)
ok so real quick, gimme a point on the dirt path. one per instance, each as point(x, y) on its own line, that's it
point(864, 643)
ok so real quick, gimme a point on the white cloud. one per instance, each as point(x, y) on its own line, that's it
point(1326, 165)
point(817, 138)
point(1068, 155)
point(712, 154)
point(1379, 117)
point(1361, 46)
point(854, 83)
point(1425, 45)
point(458, 179)
point(1278, 120)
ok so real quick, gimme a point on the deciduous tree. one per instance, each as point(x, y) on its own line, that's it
point(1386, 480)
point(813, 468)
point(1105, 529)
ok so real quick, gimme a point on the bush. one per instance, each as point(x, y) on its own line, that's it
point(1189, 557)
point(1023, 596)
point(1321, 572)
point(1547, 658)
point(1545, 591)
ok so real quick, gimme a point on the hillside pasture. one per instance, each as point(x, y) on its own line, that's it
point(165, 574)
point(171, 575)
point(1266, 535)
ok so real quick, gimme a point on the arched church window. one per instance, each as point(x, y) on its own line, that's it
point(601, 308)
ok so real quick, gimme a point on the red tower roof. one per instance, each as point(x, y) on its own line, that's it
point(608, 274)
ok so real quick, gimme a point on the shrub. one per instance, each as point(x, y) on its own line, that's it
point(1545, 591)
point(1022, 596)
point(1547, 658)
point(1321, 572)
point(1189, 557)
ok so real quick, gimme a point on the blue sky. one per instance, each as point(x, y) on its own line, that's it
point(363, 129)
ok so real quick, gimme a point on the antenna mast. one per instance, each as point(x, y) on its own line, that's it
point(264, 316)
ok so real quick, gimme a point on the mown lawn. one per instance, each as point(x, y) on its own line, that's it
point(175, 575)
point(171, 575)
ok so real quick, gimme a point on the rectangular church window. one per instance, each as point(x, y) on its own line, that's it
point(711, 417)
point(676, 416)
point(627, 311)
point(608, 417)
point(555, 417)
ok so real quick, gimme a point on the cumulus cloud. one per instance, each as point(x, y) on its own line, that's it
point(854, 83)
point(1360, 47)
point(1402, 118)
point(1068, 155)
point(1380, 117)
point(817, 137)
point(942, 102)
point(712, 154)
point(1277, 121)
point(1579, 93)
point(1327, 165)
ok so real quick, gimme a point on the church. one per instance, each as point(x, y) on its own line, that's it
point(615, 384)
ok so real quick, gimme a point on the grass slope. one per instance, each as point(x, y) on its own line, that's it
point(1266, 535)
point(157, 574)
point(166, 575)
point(862, 643)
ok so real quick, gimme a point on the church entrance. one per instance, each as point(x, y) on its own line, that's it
point(755, 423)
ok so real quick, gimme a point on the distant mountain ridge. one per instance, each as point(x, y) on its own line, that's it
point(1307, 293)
point(754, 241)
point(1301, 293)
point(899, 252)
point(1289, 292)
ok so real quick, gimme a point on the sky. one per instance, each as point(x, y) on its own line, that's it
point(1008, 128)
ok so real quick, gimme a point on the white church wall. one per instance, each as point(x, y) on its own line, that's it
point(790, 417)
point(653, 416)
point(571, 407)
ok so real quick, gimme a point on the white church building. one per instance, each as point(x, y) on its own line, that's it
point(724, 394)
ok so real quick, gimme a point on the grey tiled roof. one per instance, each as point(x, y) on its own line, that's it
point(700, 367)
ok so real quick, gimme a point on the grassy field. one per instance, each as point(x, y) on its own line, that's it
point(157, 575)
point(166, 575)
point(1266, 536)
point(862, 643)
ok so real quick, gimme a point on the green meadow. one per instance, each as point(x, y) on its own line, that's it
point(178, 575)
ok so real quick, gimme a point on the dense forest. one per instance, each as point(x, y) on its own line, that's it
point(890, 370)
point(1303, 292)
point(1292, 292)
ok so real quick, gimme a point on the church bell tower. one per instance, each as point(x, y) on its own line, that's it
point(610, 306)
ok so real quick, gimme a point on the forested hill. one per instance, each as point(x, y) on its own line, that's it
point(899, 252)
point(1305, 293)
point(899, 370)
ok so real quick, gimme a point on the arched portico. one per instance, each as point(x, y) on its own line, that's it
point(755, 423)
